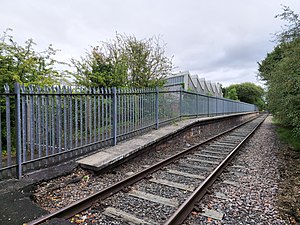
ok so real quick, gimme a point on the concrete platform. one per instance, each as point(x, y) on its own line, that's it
point(121, 151)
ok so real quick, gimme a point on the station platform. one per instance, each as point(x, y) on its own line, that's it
point(112, 155)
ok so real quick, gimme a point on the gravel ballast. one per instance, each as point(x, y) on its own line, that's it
point(253, 197)
point(256, 196)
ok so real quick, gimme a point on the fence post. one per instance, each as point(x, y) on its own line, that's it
point(180, 102)
point(208, 105)
point(8, 126)
point(156, 108)
point(18, 131)
point(216, 106)
point(114, 115)
point(197, 104)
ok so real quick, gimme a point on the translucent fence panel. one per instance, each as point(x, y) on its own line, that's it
point(189, 104)
point(168, 106)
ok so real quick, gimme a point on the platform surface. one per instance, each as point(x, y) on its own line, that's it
point(111, 155)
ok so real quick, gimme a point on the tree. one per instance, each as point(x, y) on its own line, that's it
point(246, 92)
point(281, 71)
point(232, 94)
point(25, 65)
point(124, 62)
point(291, 30)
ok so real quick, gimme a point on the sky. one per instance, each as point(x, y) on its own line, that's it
point(219, 40)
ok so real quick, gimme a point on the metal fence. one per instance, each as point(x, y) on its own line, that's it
point(43, 126)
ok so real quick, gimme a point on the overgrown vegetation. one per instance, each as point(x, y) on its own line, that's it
point(281, 72)
point(286, 134)
point(124, 62)
point(26, 65)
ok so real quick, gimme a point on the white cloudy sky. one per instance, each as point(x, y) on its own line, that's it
point(216, 39)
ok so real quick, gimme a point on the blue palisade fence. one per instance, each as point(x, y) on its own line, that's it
point(40, 126)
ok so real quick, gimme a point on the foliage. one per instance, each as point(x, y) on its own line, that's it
point(281, 71)
point(291, 30)
point(24, 64)
point(232, 94)
point(286, 134)
point(246, 92)
point(124, 62)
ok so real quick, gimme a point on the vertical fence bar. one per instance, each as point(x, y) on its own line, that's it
point(156, 108)
point(59, 112)
point(143, 108)
point(133, 109)
point(38, 123)
point(76, 117)
point(18, 131)
point(47, 120)
point(131, 118)
point(114, 116)
point(81, 119)
point(0, 141)
point(90, 117)
point(102, 115)
point(118, 111)
point(125, 111)
point(216, 106)
point(139, 109)
point(70, 118)
point(52, 122)
point(106, 113)
point(65, 118)
point(197, 105)
point(24, 127)
point(42, 130)
point(8, 128)
point(99, 115)
point(208, 106)
point(95, 115)
point(86, 117)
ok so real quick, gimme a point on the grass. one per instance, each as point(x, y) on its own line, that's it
point(286, 134)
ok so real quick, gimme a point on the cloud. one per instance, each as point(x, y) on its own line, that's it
point(221, 40)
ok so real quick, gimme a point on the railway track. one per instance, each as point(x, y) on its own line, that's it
point(166, 192)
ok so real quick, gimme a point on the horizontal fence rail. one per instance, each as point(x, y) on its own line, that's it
point(44, 126)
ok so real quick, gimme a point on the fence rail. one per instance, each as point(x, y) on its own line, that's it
point(43, 126)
